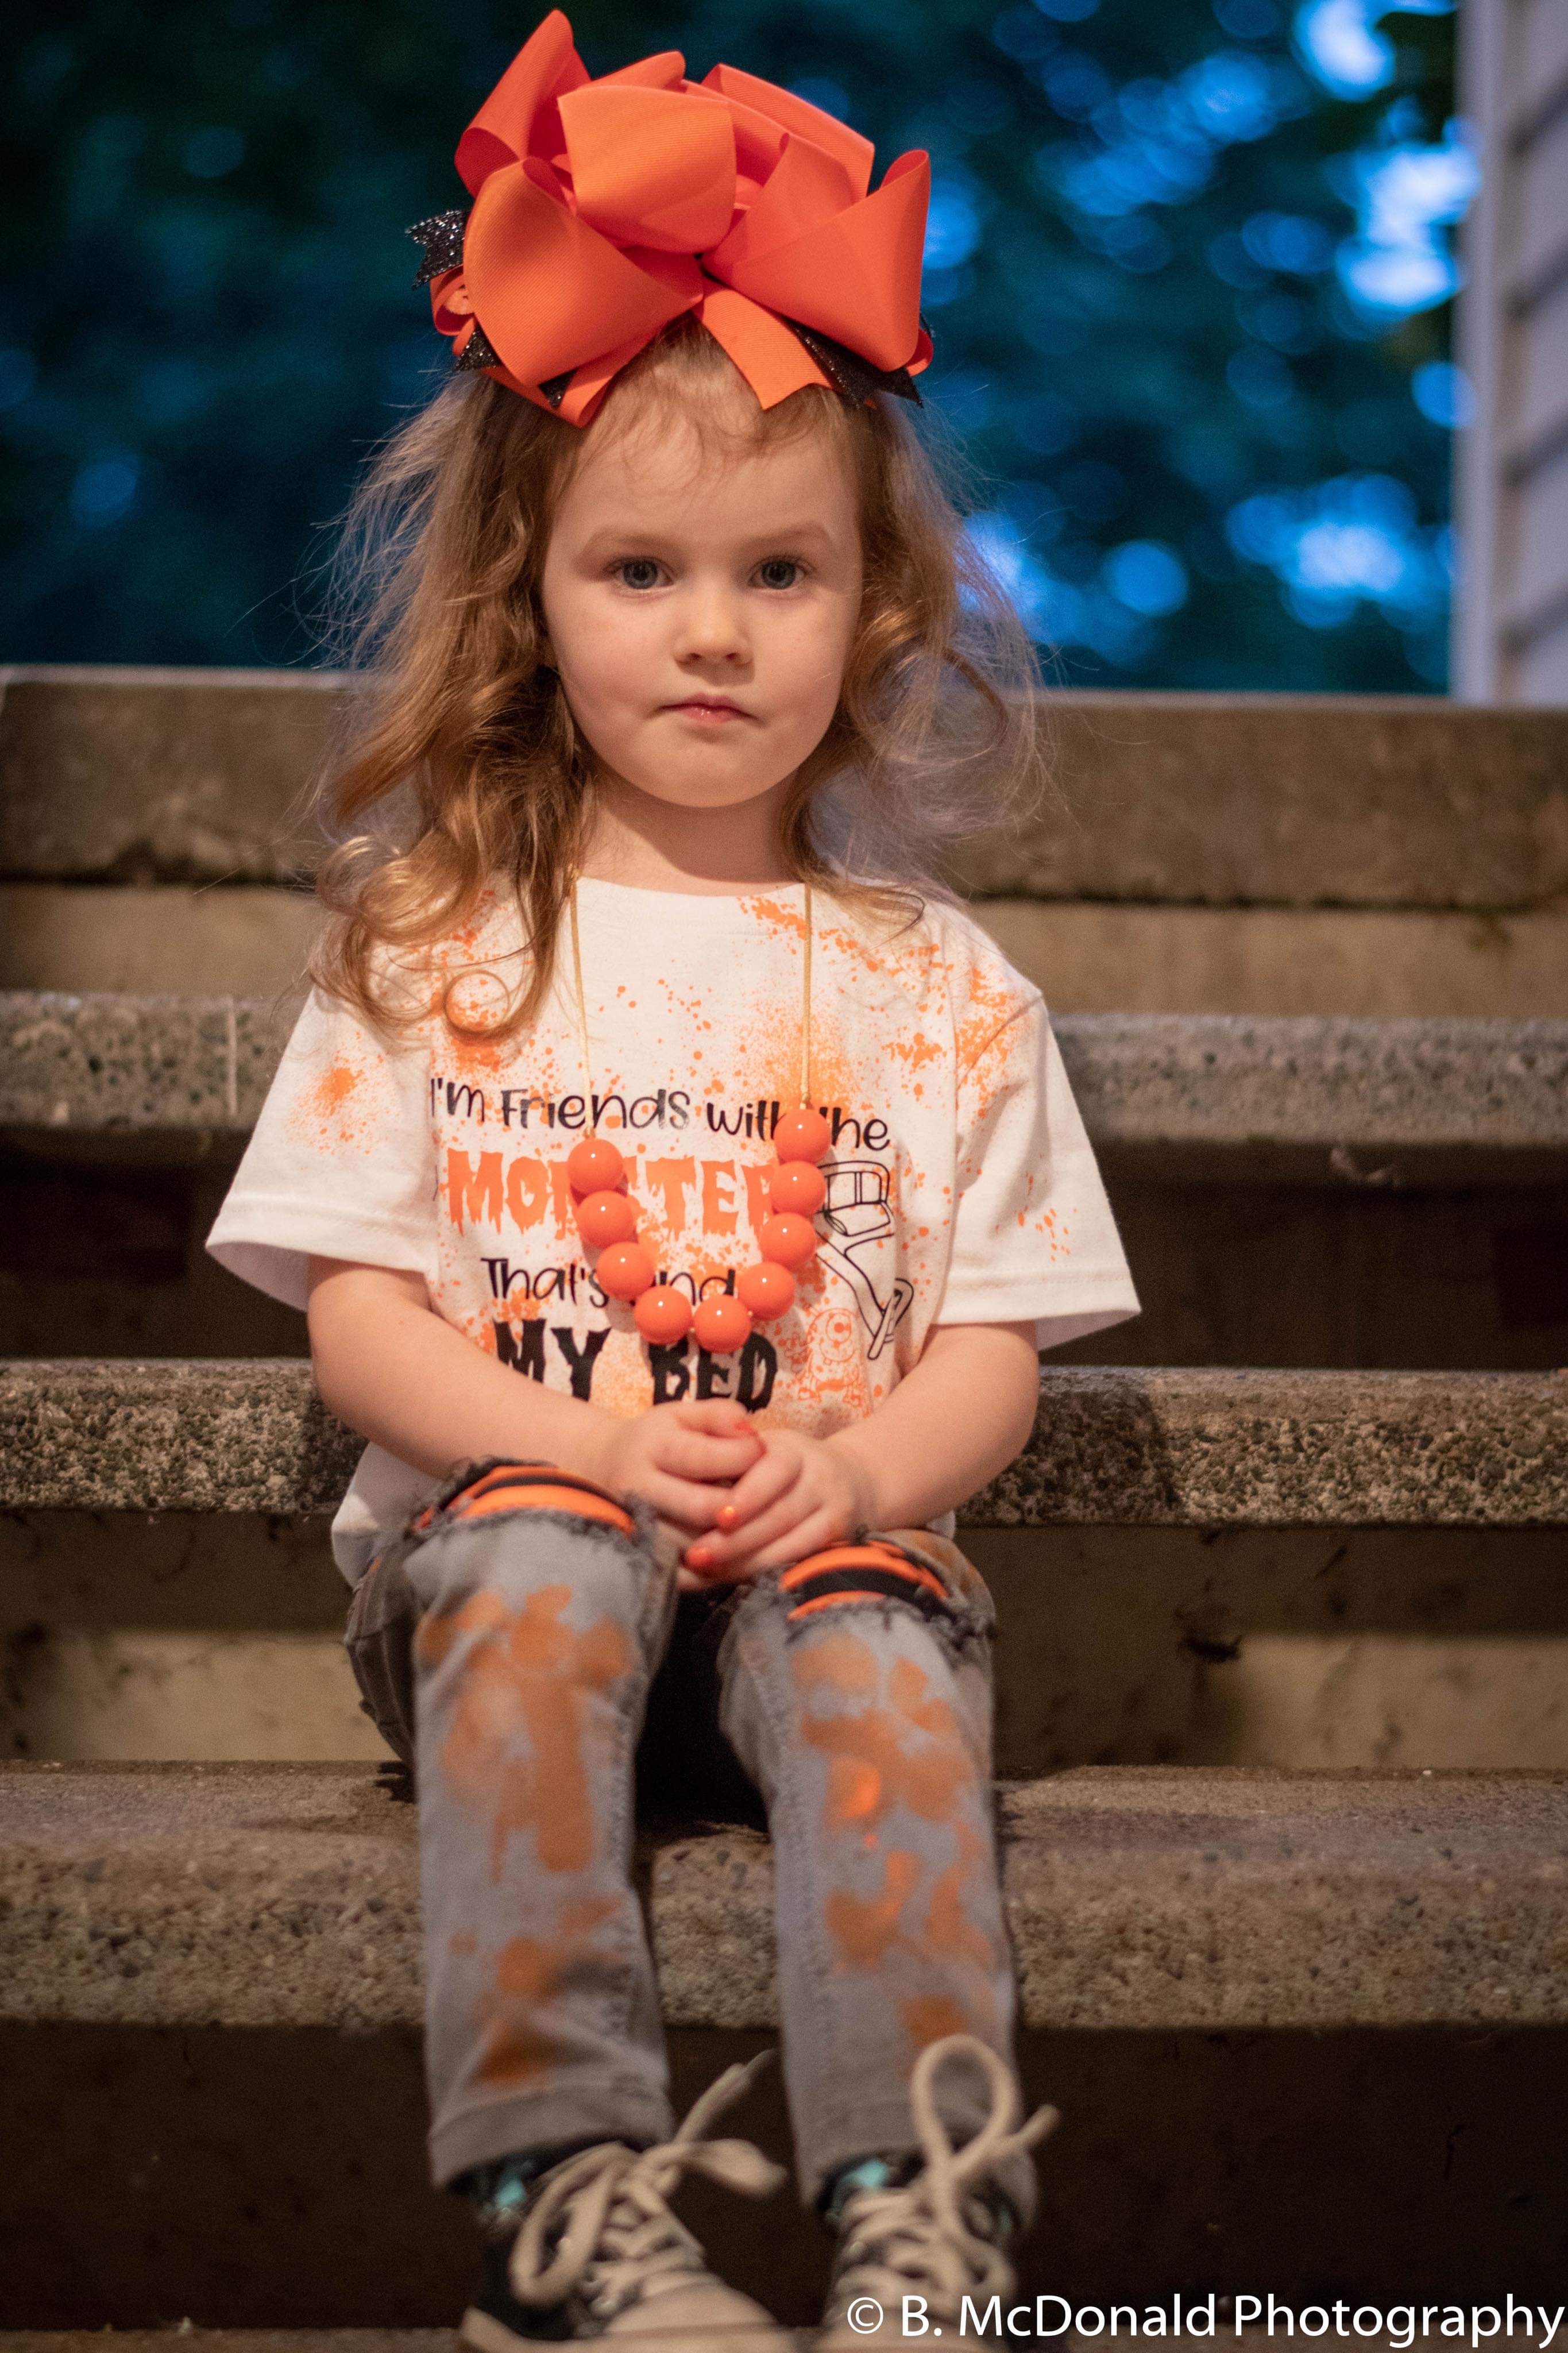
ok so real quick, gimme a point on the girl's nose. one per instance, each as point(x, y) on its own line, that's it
point(711, 626)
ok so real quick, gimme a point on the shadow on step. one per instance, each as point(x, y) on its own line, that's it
point(276, 2179)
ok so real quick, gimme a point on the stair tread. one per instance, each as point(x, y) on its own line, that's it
point(1111, 1445)
point(231, 2340)
point(192, 776)
point(1138, 1897)
point(104, 1060)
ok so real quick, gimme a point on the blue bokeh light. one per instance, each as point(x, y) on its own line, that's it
point(1342, 44)
point(104, 489)
point(952, 226)
point(1146, 576)
point(1444, 393)
point(1352, 541)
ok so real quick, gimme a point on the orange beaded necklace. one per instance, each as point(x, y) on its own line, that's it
point(607, 1218)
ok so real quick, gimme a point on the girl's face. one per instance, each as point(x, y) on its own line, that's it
point(700, 610)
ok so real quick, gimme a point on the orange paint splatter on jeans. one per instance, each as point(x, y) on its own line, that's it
point(864, 1927)
point(949, 1930)
point(529, 1972)
point(872, 1763)
point(927, 2017)
point(527, 1672)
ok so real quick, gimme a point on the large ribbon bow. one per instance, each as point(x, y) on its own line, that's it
point(604, 209)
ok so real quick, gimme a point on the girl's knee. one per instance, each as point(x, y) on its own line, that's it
point(511, 1528)
point(890, 1581)
point(494, 1485)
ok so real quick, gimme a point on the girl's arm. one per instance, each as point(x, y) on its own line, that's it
point(390, 1368)
point(951, 1424)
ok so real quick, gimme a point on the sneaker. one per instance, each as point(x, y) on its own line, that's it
point(598, 2253)
point(935, 2236)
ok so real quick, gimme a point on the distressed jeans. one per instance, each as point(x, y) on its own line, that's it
point(523, 1645)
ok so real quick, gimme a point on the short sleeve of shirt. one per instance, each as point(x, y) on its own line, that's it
point(341, 1162)
point(1033, 1232)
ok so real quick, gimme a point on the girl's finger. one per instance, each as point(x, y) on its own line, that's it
point(818, 1530)
point(719, 1417)
point(781, 1518)
point(690, 1455)
point(764, 1484)
point(693, 1504)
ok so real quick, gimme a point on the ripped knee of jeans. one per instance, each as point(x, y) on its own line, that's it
point(480, 1488)
point(881, 1574)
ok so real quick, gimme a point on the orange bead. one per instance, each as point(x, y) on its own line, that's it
point(767, 1289)
point(797, 1184)
point(605, 1217)
point(593, 1164)
point(663, 1315)
point(722, 1322)
point(802, 1134)
point(787, 1241)
point(624, 1270)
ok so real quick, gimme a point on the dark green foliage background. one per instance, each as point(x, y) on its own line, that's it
point(244, 338)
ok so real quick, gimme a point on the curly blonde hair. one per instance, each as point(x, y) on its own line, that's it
point(459, 767)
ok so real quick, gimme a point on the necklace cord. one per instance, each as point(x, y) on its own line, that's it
point(805, 1007)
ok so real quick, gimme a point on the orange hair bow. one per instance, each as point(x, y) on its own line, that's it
point(604, 209)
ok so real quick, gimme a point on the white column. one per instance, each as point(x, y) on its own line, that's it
point(1510, 622)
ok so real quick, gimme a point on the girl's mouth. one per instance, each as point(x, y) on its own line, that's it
point(710, 715)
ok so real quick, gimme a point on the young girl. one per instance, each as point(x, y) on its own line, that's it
point(680, 1186)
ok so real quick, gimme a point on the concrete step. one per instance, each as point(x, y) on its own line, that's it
point(187, 2339)
point(260, 1897)
point(445, 2341)
point(1091, 956)
point(146, 775)
point(1338, 1101)
point(273, 2175)
point(1110, 1446)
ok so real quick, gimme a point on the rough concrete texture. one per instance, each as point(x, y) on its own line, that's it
point(208, 1436)
point(252, 1896)
point(125, 1635)
point(1111, 1446)
point(1154, 1080)
point(1086, 956)
point(252, 940)
point(187, 2339)
point(442, 2340)
point(1091, 957)
point(143, 776)
point(1222, 1449)
point(131, 1062)
point(1292, 800)
point(192, 775)
point(1146, 1080)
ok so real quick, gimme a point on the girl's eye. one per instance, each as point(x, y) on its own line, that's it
point(639, 571)
point(769, 572)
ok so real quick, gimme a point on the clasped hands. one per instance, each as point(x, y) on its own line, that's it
point(745, 1499)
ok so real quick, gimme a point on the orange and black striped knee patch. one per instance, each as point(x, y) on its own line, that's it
point(871, 1571)
point(533, 1486)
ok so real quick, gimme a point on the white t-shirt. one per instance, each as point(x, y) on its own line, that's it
point(961, 1187)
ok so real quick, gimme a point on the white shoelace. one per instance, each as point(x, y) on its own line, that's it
point(620, 2228)
point(918, 2237)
